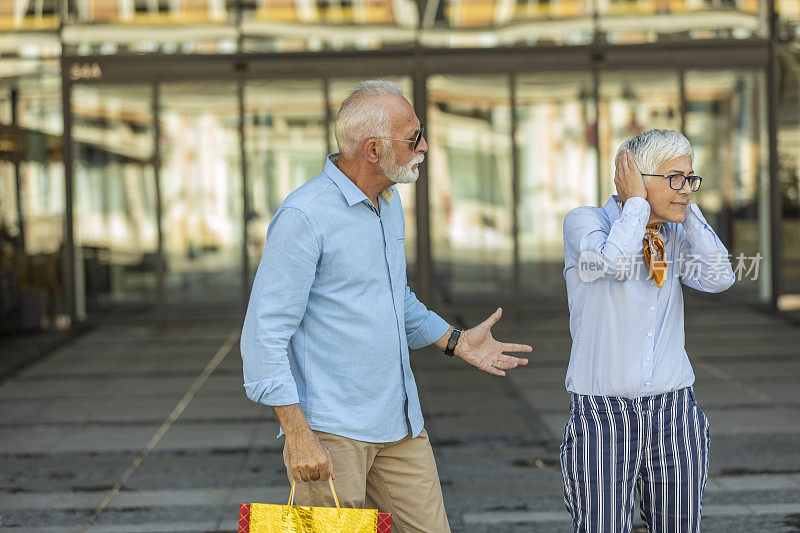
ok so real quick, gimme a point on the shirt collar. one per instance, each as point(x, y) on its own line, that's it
point(352, 194)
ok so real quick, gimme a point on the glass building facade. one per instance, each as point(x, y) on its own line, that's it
point(145, 144)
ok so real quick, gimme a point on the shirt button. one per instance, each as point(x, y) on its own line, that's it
point(648, 358)
point(650, 334)
point(652, 308)
point(633, 224)
point(647, 384)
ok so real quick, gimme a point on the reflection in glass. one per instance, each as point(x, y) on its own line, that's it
point(788, 12)
point(470, 189)
point(789, 173)
point(32, 205)
point(39, 106)
point(201, 190)
point(303, 25)
point(558, 167)
point(35, 288)
point(115, 216)
point(123, 26)
point(9, 214)
point(640, 21)
point(285, 147)
point(12, 250)
point(5, 105)
point(453, 23)
point(725, 123)
point(630, 103)
point(27, 15)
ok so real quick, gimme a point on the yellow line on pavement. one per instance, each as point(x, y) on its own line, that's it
point(212, 365)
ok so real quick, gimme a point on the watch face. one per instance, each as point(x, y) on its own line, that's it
point(452, 341)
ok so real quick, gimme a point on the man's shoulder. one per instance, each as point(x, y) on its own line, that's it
point(308, 194)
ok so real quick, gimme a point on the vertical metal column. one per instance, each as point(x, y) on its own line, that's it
point(776, 215)
point(598, 167)
point(683, 105)
point(69, 223)
point(424, 264)
point(18, 175)
point(326, 94)
point(245, 194)
point(160, 270)
point(241, 67)
point(515, 187)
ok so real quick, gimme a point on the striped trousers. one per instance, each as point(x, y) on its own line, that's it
point(613, 447)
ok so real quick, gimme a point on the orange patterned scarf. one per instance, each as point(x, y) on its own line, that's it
point(654, 255)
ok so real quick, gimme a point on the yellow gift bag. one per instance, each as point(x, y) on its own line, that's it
point(290, 518)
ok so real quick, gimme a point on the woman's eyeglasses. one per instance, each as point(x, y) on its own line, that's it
point(677, 181)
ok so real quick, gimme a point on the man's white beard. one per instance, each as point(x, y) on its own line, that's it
point(399, 174)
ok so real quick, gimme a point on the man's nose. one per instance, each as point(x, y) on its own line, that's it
point(423, 145)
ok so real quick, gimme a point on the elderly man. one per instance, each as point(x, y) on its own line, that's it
point(330, 321)
point(635, 424)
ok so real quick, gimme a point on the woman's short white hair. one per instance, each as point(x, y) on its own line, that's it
point(652, 147)
point(362, 115)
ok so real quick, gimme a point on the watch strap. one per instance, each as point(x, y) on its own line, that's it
point(452, 341)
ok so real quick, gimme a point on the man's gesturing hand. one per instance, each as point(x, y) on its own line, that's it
point(477, 347)
point(307, 458)
point(628, 179)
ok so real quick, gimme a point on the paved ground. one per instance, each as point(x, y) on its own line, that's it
point(73, 424)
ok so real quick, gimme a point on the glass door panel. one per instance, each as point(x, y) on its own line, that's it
point(556, 125)
point(470, 170)
point(33, 204)
point(285, 145)
point(116, 229)
point(630, 103)
point(201, 191)
point(789, 176)
point(725, 123)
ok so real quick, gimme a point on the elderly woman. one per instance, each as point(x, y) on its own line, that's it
point(634, 422)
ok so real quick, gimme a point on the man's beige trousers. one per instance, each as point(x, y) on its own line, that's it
point(396, 477)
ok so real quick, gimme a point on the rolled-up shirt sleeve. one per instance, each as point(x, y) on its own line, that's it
point(423, 327)
point(704, 260)
point(277, 305)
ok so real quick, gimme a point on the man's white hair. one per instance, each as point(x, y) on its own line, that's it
point(652, 147)
point(362, 114)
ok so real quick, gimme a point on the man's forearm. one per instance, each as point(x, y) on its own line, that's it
point(442, 342)
point(292, 419)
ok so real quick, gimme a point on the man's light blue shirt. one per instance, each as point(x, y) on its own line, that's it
point(331, 318)
point(627, 333)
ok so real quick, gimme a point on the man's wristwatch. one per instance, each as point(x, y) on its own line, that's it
point(451, 342)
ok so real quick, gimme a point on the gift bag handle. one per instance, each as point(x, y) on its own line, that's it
point(333, 490)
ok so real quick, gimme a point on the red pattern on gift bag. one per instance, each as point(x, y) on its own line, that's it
point(244, 518)
point(384, 523)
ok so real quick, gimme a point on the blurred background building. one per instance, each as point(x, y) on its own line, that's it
point(145, 144)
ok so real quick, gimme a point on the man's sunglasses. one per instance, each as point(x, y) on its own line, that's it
point(416, 140)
